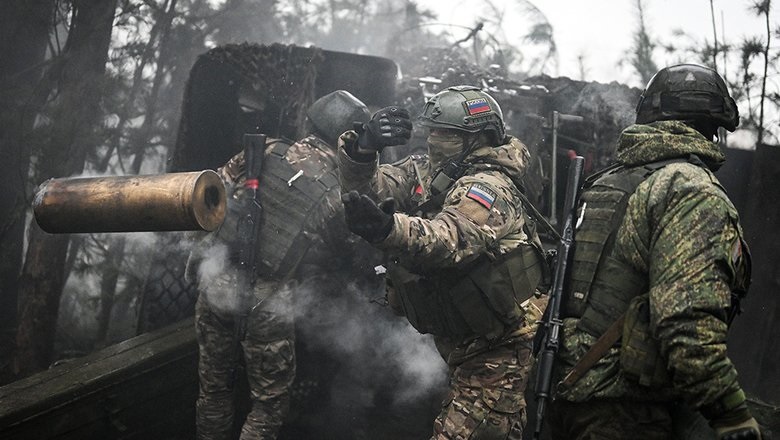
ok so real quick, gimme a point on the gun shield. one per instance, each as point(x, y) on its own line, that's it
point(165, 202)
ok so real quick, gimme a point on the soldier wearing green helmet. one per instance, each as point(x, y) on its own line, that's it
point(464, 259)
point(659, 268)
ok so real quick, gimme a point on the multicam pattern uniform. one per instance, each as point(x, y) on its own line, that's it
point(681, 230)
point(487, 378)
point(268, 346)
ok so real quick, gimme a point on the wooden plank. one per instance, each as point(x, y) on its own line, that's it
point(142, 388)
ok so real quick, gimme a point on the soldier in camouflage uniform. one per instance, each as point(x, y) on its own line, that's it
point(659, 265)
point(463, 258)
point(302, 237)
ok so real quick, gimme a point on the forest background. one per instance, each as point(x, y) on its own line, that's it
point(94, 87)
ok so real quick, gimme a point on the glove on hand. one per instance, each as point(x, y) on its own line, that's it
point(365, 218)
point(387, 127)
point(745, 430)
point(739, 426)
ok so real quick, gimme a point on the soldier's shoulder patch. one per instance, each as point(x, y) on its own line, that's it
point(482, 195)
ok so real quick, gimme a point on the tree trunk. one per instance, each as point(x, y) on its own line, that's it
point(764, 76)
point(75, 112)
point(117, 250)
point(108, 282)
point(24, 33)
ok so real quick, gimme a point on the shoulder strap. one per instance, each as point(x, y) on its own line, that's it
point(595, 352)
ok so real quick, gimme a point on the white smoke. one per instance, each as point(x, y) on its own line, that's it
point(216, 278)
point(378, 348)
point(379, 355)
point(742, 139)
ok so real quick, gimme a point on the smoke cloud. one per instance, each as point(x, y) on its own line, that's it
point(338, 315)
point(381, 370)
point(377, 345)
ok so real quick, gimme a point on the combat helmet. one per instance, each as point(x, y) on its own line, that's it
point(465, 108)
point(335, 113)
point(688, 92)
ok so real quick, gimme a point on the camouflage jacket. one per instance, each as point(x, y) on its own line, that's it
point(466, 226)
point(683, 233)
point(481, 214)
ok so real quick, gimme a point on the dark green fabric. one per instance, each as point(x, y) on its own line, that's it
point(683, 233)
point(609, 420)
point(483, 302)
point(600, 286)
point(287, 204)
point(640, 358)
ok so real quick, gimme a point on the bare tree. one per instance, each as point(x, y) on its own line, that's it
point(77, 76)
point(642, 50)
point(762, 8)
point(24, 34)
point(714, 36)
point(116, 251)
point(749, 49)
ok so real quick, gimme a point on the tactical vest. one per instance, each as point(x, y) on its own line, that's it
point(601, 288)
point(288, 196)
point(481, 299)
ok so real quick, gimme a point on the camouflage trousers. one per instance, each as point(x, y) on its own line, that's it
point(608, 420)
point(269, 354)
point(485, 399)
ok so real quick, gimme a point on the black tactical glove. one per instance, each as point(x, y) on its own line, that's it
point(387, 127)
point(365, 218)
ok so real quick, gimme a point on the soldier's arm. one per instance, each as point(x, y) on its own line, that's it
point(377, 181)
point(692, 236)
point(478, 213)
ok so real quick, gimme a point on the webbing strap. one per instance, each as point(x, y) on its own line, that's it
point(595, 352)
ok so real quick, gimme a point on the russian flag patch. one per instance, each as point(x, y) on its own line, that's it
point(482, 195)
point(476, 106)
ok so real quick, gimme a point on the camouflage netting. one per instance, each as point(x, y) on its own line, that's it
point(447, 64)
point(237, 88)
point(277, 73)
point(608, 109)
point(167, 296)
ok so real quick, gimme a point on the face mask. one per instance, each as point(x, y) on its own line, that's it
point(442, 148)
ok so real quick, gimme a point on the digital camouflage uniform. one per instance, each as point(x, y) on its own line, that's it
point(268, 346)
point(487, 375)
point(681, 234)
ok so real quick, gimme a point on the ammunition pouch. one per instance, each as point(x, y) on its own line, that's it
point(484, 301)
point(640, 358)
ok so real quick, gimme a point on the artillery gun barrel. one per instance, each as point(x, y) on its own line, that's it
point(163, 202)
